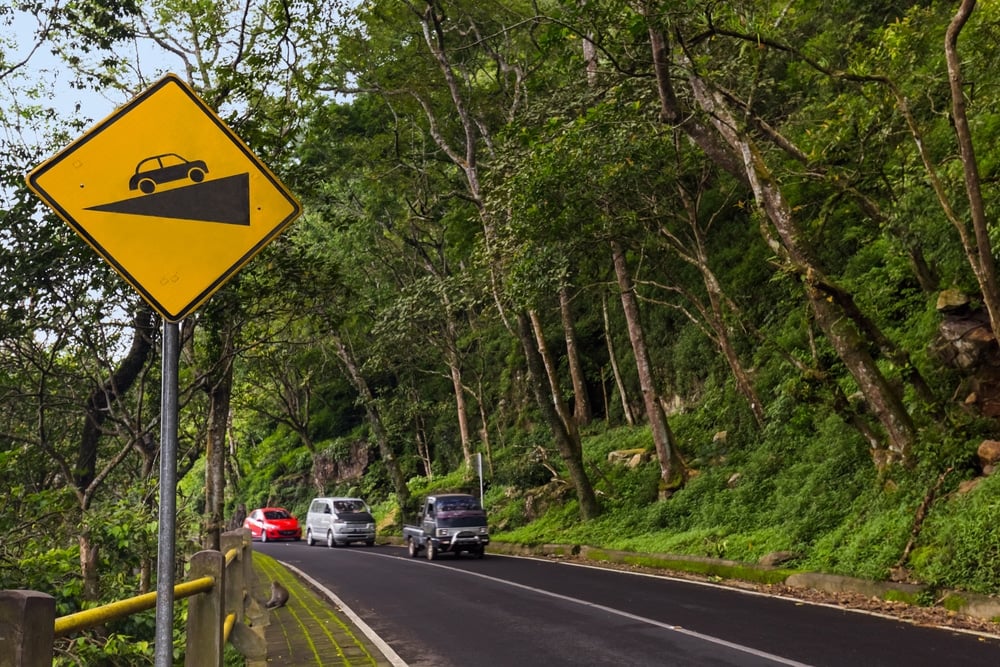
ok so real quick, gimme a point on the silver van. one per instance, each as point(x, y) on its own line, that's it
point(339, 521)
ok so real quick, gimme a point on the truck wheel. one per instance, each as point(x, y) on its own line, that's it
point(431, 551)
point(480, 552)
point(411, 546)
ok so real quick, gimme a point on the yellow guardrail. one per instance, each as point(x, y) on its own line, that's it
point(89, 618)
point(213, 611)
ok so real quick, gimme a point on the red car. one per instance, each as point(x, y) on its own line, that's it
point(273, 523)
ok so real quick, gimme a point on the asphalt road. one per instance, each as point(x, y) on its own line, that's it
point(521, 612)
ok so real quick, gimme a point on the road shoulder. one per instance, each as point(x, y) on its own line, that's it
point(314, 627)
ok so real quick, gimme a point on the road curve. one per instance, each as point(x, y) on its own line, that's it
point(521, 612)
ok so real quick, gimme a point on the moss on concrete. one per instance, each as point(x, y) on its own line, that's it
point(309, 630)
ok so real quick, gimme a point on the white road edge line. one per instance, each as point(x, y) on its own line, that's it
point(617, 612)
point(380, 643)
point(787, 598)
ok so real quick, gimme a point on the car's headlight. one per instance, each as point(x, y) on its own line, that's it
point(442, 532)
point(483, 530)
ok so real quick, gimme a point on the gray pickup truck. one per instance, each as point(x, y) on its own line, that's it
point(448, 523)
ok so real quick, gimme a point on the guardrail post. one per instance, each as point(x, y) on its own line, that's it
point(235, 583)
point(27, 628)
point(247, 563)
point(206, 612)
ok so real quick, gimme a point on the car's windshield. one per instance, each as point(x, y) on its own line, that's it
point(349, 506)
point(276, 514)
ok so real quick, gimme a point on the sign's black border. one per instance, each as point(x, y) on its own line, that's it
point(93, 133)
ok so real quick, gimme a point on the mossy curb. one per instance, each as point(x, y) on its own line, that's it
point(309, 629)
point(709, 567)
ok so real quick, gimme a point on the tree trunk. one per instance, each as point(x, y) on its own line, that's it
point(458, 387)
point(552, 373)
point(87, 479)
point(672, 470)
point(581, 401)
point(744, 385)
point(295, 394)
point(484, 433)
point(980, 255)
point(736, 152)
point(714, 315)
point(99, 403)
point(570, 449)
point(880, 398)
point(619, 383)
point(590, 59)
point(221, 326)
point(88, 567)
point(424, 454)
point(219, 397)
point(375, 422)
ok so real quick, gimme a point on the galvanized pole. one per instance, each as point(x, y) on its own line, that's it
point(479, 469)
point(164, 650)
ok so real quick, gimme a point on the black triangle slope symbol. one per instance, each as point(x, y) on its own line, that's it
point(225, 200)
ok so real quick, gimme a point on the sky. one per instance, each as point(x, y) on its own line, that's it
point(48, 70)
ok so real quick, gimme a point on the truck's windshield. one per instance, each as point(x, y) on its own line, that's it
point(458, 504)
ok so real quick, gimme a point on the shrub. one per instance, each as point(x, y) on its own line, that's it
point(960, 542)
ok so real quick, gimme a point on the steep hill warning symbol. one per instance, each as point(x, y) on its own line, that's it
point(225, 200)
point(168, 195)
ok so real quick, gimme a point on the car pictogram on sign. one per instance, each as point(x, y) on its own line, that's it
point(159, 169)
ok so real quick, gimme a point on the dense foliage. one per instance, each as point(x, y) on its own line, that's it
point(687, 277)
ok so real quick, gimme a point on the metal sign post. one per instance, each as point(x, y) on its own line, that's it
point(479, 468)
point(164, 650)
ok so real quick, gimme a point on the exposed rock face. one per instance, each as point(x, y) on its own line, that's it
point(952, 301)
point(632, 458)
point(330, 468)
point(776, 558)
point(966, 343)
point(989, 455)
point(537, 501)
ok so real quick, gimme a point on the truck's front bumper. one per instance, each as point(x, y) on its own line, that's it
point(461, 542)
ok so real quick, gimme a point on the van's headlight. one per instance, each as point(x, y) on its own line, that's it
point(483, 530)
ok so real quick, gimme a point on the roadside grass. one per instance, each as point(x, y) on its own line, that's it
point(820, 499)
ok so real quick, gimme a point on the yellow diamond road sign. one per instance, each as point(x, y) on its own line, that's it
point(168, 195)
